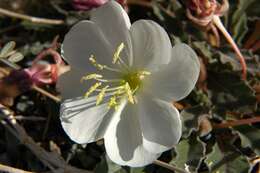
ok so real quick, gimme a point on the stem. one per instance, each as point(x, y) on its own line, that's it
point(170, 167)
point(30, 18)
point(216, 20)
point(9, 169)
point(237, 122)
point(141, 3)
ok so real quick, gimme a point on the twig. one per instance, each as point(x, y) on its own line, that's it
point(220, 26)
point(170, 167)
point(30, 118)
point(9, 169)
point(51, 159)
point(237, 122)
point(30, 18)
point(141, 3)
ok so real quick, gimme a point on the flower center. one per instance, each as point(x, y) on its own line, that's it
point(133, 79)
point(126, 86)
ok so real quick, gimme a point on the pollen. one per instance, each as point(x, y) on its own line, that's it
point(113, 103)
point(91, 76)
point(101, 95)
point(94, 62)
point(92, 89)
point(129, 93)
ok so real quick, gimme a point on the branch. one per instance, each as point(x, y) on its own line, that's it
point(8, 169)
point(218, 23)
point(51, 159)
point(170, 167)
point(237, 122)
point(30, 18)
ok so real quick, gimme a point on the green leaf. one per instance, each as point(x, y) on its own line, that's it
point(107, 166)
point(190, 119)
point(226, 162)
point(250, 137)
point(203, 49)
point(190, 152)
point(16, 57)
point(239, 20)
point(7, 49)
point(230, 93)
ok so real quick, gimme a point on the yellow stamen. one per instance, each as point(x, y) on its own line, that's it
point(95, 64)
point(91, 76)
point(92, 89)
point(101, 95)
point(129, 93)
point(118, 52)
point(112, 102)
point(145, 73)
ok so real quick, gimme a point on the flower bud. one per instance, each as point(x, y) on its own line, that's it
point(201, 12)
point(83, 5)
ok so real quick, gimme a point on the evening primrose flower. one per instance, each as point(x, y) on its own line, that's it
point(121, 85)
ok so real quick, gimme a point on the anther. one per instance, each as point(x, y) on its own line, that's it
point(91, 76)
point(117, 53)
point(129, 93)
point(101, 95)
point(92, 89)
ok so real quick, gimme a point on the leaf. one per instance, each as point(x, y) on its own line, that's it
point(239, 20)
point(229, 92)
point(226, 162)
point(203, 48)
point(190, 152)
point(250, 137)
point(16, 57)
point(8, 48)
point(190, 119)
point(107, 166)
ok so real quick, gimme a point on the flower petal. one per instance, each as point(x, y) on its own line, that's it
point(114, 23)
point(160, 124)
point(123, 139)
point(83, 121)
point(151, 45)
point(83, 40)
point(70, 86)
point(177, 79)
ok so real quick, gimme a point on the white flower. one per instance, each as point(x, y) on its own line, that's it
point(129, 74)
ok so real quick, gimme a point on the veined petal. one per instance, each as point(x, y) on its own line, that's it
point(151, 45)
point(70, 86)
point(160, 124)
point(114, 23)
point(177, 79)
point(81, 42)
point(123, 139)
point(83, 121)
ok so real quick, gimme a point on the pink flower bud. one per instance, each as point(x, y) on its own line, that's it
point(201, 12)
point(83, 5)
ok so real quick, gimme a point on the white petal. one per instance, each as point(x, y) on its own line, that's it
point(83, 121)
point(151, 45)
point(70, 86)
point(83, 40)
point(160, 124)
point(123, 139)
point(177, 79)
point(114, 23)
